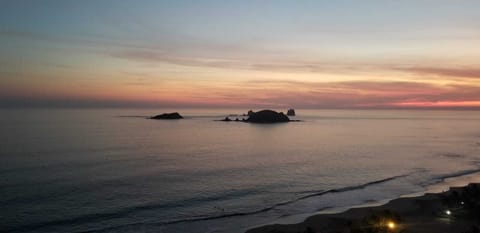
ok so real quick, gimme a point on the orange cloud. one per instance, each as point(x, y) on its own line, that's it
point(142, 90)
point(448, 72)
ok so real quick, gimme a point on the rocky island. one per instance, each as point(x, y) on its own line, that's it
point(267, 116)
point(264, 117)
point(167, 116)
point(291, 112)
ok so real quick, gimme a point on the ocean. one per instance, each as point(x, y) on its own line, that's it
point(113, 170)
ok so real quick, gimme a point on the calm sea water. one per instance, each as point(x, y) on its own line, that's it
point(112, 170)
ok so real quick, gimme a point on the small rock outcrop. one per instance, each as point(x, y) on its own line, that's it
point(267, 116)
point(250, 112)
point(167, 116)
point(226, 119)
point(291, 112)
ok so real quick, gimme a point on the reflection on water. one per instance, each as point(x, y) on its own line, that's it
point(92, 169)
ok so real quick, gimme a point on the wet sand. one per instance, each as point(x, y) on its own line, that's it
point(454, 211)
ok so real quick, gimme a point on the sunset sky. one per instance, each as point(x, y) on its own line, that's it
point(265, 53)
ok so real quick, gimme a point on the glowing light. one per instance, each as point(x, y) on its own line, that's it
point(448, 212)
point(391, 225)
point(462, 203)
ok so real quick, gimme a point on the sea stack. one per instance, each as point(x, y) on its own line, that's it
point(267, 116)
point(291, 112)
point(227, 119)
point(167, 116)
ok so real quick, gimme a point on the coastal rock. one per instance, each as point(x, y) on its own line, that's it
point(226, 119)
point(167, 116)
point(291, 112)
point(250, 112)
point(267, 116)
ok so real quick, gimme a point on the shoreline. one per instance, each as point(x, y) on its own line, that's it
point(406, 212)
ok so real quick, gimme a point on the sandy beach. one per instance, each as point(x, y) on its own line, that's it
point(454, 211)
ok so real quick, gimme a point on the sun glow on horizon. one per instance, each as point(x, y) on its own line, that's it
point(217, 54)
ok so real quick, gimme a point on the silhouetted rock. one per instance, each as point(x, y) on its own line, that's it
point(291, 112)
point(267, 116)
point(227, 119)
point(167, 116)
point(250, 112)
